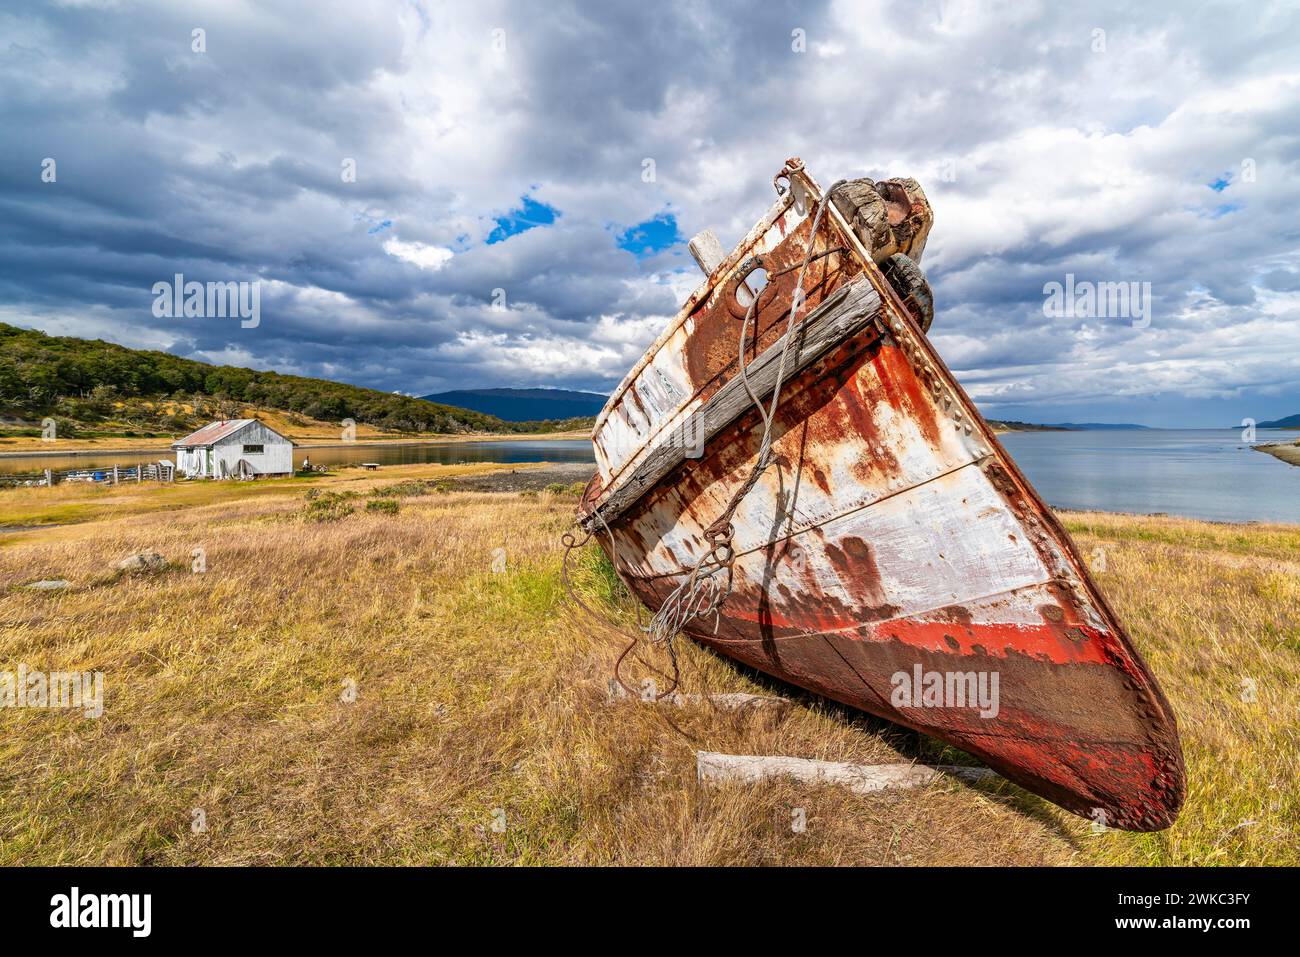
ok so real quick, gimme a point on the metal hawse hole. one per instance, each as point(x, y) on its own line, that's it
point(747, 283)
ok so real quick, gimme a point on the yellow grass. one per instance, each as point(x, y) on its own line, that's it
point(481, 698)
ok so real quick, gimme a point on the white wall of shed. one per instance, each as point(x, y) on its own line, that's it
point(276, 457)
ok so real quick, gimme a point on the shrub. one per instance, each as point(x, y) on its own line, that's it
point(401, 489)
point(559, 488)
point(412, 487)
point(386, 505)
point(327, 506)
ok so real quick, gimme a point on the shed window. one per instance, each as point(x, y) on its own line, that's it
point(252, 450)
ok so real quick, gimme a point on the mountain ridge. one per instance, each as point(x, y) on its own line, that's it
point(1286, 422)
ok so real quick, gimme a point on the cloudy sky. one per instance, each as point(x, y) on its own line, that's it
point(500, 154)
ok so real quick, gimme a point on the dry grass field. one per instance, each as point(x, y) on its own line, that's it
point(415, 688)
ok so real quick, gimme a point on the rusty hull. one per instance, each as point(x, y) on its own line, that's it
point(891, 531)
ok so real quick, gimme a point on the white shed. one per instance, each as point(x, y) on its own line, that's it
point(234, 448)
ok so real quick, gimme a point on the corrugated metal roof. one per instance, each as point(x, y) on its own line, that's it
point(215, 432)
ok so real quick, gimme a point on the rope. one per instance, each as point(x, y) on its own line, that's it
point(571, 545)
point(708, 582)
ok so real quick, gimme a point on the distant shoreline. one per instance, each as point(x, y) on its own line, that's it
point(365, 443)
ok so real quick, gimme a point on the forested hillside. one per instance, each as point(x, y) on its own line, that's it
point(86, 381)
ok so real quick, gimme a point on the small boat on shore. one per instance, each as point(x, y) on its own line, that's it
point(791, 476)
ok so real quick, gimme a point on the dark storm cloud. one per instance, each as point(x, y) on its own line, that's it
point(1112, 142)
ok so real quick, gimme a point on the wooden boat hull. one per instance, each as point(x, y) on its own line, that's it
point(892, 557)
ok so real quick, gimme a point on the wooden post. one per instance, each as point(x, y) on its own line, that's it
point(49, 478)
point(709, 254)
point(114, 474)
point(707, 251)
point(139, 472)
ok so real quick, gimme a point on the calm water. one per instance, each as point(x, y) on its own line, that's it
point(1200, 473)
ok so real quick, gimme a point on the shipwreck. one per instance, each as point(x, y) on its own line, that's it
point(791, 476)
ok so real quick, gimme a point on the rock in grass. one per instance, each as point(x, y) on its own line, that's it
point(142, 562)
point(49, 584)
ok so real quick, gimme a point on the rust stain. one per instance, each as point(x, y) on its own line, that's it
point(855, 565)
point(711, 351)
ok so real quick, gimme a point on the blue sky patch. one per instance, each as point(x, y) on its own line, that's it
point(652, 236)
point(530, 215)
point(1220, 184)
point(379, 227)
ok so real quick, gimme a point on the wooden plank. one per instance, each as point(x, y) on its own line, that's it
point(714, 768)
point(843, 314)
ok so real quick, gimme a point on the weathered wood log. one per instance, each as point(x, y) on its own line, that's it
point(846, 312)
point(712, 767)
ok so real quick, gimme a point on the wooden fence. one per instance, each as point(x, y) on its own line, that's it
point(112, 474)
